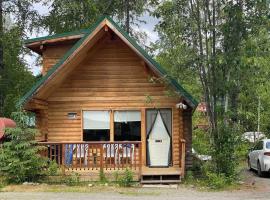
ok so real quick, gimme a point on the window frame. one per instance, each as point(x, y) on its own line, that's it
point(111, 112)
point(82, 123)
point(126, 110)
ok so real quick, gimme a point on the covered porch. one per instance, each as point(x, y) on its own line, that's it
point(89, 158)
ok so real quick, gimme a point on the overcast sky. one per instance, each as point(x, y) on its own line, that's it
point(148, 28)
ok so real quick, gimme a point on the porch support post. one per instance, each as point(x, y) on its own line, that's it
point(143, 137)
point(111, 126)
point(63, 158)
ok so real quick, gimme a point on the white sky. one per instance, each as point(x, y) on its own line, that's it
point(148, 28)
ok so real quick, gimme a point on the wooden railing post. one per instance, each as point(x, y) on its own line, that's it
point(63, 158)
point(101, 157)
point(183, 156)
point(140, 159)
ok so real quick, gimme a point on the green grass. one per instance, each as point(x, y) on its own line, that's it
point(96, 188)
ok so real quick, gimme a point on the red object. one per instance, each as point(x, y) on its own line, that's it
point(5, 123)
point(267, 153)
point(202, 107)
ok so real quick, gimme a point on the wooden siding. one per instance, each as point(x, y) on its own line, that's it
point(112, 78)
point(52, 54)
point(42, 125)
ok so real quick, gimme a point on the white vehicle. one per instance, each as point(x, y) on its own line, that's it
point(259, 157)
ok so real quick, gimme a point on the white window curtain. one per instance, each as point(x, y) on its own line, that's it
point(127, 116)
point(96, 120)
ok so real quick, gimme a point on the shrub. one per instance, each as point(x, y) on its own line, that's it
point(116, 176)
point(52, 169)
point(19, 158)
point(216, 181)
point(102, 177)
point(225, 149)
point(72, 180)
point(127, 179)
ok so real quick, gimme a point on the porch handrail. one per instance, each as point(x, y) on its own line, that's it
point(86, 155)
point(90, 142)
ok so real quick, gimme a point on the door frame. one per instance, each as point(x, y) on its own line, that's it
point(170, 164)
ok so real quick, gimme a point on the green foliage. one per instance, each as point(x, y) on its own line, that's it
point(102, 177)
point(221, 50)
point(52, 169)
point(127, 179)
point(216, 181)
point(201, 141)
point(19, 158)
point(72, 179)
point(15, 78)
point(116, 176)
point(225, 146)
point(70, 15)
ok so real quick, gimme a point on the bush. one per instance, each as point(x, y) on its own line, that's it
point(72, 180)
point(225, 149)
point(102, 177)
point(19, 158)
point(216, 181)
point(127, 179)
point(52, 169)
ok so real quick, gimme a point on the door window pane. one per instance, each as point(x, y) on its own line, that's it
point(127, 126)
point(96, 125)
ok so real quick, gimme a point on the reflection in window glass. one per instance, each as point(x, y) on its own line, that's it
point(127, 126)
point(96, 125)
point(267, 145)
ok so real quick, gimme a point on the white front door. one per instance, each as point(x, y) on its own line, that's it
point(159, 141)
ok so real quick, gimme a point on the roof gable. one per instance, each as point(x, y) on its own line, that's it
point(127, 39)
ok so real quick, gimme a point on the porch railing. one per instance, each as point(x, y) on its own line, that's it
point(94, 155)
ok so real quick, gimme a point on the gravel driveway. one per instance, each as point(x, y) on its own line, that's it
point(178, 194)
point(254, 188)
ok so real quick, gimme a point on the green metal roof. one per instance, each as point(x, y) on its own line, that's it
point(50, 37)
point(87, 32)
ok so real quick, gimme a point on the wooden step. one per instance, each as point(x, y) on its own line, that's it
point(160, 181)
point(160, 178)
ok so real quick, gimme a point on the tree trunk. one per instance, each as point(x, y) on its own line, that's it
point(127, 24)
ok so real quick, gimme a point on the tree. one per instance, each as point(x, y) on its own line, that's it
point(70, 15)
point(11, 64)
point(19, 158)
point(211, 38)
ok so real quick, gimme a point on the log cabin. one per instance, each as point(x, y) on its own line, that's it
point(103, 103)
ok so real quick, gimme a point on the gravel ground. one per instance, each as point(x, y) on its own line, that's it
point(253, 188)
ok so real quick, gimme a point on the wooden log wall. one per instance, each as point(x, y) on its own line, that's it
point(52, 54)
point(114, 77)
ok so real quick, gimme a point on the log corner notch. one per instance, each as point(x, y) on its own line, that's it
point(36, 104)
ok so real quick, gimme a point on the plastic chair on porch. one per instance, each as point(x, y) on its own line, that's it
point(110, 153)
point(126, 154)
point(76, 153)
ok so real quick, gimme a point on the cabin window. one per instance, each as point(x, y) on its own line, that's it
point(127, 125)
point(96, 125)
